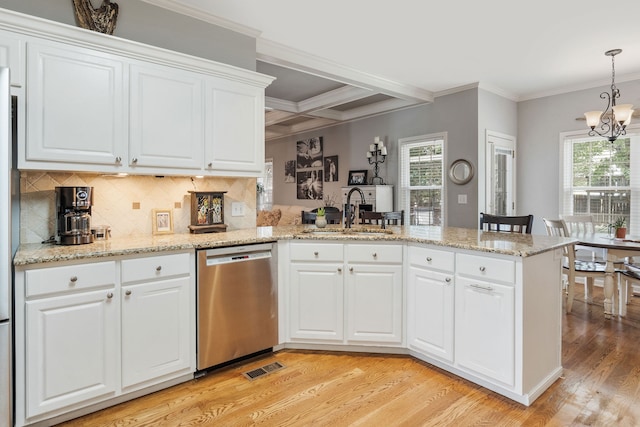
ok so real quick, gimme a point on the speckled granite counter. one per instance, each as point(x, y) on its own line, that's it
point(461, 238)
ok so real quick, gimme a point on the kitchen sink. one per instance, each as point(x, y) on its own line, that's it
point(348, 231)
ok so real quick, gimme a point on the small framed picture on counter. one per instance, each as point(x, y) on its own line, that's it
point(357, 177)
point(162, 220)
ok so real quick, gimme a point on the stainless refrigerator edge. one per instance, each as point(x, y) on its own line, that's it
point(8, 244)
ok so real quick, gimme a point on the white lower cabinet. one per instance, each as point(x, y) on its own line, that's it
point(485, 329)
point(71, 349)
point(84, 337)
point(345, 293)
point(430, 302)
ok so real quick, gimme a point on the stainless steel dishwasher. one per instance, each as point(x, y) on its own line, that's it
point(237, 302)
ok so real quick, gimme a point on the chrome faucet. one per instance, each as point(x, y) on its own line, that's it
point(348, 217)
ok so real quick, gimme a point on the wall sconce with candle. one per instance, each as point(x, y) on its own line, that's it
point(376, 155)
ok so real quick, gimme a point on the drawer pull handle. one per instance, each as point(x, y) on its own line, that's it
point(448, 280)
point(110, 295)
point(429, 259)
point(127, 292)
point(483, 288)
point(73, 279)
point(315, 253)
point(482, 268)
point(159, 268)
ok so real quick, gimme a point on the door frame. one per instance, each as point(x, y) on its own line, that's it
point(492, 140)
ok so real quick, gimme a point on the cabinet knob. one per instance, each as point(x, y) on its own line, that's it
point(482, 268)
point(429, 259)
point(210, 164)
point(375, 255)
point(351, 269)
point(339, 270)
point(118, 160)
point(159, 268)
point(448, 280)
point(73, 279)
point(134, 160)
point(315, 253)
point(110, 295)
point(127, 292)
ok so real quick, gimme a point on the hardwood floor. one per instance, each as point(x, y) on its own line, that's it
point(600, 387)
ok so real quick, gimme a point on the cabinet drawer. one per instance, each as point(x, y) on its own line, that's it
point(316, 252)
point(431, 258)
point(486, 268)
point(70, 278)
point(156, 267)
point(374, 253)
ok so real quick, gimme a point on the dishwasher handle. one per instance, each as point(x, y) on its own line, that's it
point(238, 257)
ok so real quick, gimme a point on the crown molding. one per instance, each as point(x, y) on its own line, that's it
point(205, 16)
point(578, 87)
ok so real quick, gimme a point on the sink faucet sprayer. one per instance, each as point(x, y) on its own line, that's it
point(347, 208)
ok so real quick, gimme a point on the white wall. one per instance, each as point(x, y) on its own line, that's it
point(540, 122)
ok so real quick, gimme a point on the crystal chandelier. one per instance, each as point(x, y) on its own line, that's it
point(613, 121)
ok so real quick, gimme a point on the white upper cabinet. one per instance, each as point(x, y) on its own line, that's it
point(12, 56)
point(167, 112)
point(235, 121)
point(75, 108)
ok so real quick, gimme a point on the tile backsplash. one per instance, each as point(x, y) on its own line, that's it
point(126, 203)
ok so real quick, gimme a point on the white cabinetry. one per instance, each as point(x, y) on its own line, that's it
point(75, 106)
point(235, 121)
point(71, 335)
point(345, 293)
point(156, 318)
point(374, 293)
point(430, 301)
point(316, 304)
point(82, 338)
point(12, 56)
point(167, 117)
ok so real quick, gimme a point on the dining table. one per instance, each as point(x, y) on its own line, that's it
point(619, 250)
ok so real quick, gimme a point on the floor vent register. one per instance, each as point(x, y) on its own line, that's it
point(256, 373)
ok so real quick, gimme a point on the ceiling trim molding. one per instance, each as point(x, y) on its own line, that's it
point(278, 54)
point(205, 16)
point(579, 87)
point(332, 98)
point(388, 105)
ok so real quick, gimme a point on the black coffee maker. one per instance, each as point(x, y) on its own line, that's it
point(73, 209)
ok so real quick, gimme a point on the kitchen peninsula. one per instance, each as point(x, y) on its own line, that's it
point(485, 306)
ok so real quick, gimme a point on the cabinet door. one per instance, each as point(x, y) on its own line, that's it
point(155, 331)
point(316, 302)
point(235, 128)
point(430, 312)
point(12, 56)
point(75, 107)
point(71, 350)
point(485, 325)
point(374, 303)
point(167, 113)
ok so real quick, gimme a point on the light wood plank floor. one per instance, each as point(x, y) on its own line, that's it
point(600, 387)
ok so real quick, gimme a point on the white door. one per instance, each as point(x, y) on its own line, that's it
point(316, 305)
point(71, 349)
point(500, 174)
point(155, 330)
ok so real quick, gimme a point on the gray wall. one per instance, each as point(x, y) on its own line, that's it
point(540, 122)
point(456, 114)
point(156, 26)
point(497, 114)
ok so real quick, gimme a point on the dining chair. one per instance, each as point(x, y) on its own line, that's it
point(309, 217)
point(512, 224)
point(573, 268)
point(393, 218)
point(370, 217)
point(333, 217)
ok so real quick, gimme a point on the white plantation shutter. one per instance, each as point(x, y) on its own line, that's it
point(421, 168)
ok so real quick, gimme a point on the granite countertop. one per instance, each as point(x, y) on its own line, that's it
point(462, 238)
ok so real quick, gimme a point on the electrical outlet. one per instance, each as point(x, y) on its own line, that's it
point(462, 199)
point(237, 209)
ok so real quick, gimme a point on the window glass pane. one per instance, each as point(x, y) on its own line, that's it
point(425, 207)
